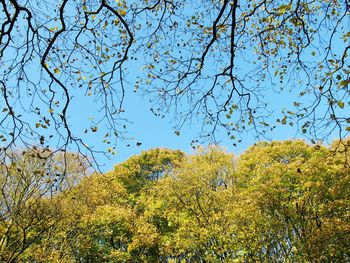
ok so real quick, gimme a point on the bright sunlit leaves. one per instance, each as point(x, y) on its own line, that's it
point(207, 206)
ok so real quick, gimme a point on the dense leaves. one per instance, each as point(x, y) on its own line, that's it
point(277, 202)
point(29, 201)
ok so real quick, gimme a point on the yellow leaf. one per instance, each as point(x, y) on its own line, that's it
point(57, 71)
point(341, 104)
point(53, 29)
point(122, 12)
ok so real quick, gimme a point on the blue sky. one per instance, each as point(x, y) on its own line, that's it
point(154, 131)
point(142, 126)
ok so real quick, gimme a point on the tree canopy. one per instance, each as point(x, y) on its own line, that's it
point(284, 201)
point(29, 206)
point(219, 61)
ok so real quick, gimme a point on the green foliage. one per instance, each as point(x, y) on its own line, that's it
point(278, 202)
point(190, 206)
point(29, 206)
point(139, 171)
point(301, 193)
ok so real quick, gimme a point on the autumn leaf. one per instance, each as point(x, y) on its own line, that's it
point(122, 12)
point(341, 104)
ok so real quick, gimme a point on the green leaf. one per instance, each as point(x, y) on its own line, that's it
point(341, 104)
point(344, 82)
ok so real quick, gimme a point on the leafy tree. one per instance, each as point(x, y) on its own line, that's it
point(190, 208)
point(103, 220)
point(28, 206)
point(281, 201)
point(300, 196)
point(211, 59)
point(139, 171)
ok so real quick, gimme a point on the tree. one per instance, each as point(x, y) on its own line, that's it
point(103, 220)
point(28, 200)
point(192, 207)
point(299, 196)
point(277, 202)
point(209, 59)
